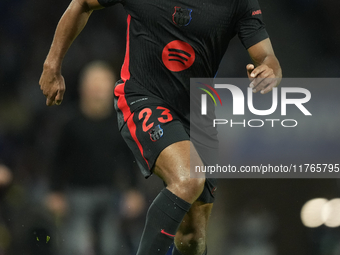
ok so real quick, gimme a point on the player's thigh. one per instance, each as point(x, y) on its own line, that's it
point(176, 163)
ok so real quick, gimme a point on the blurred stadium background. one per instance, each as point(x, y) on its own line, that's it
point(250, 216)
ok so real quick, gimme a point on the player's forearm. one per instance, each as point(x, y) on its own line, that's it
point(272, 62)
point(70, 25)
point(262, 53)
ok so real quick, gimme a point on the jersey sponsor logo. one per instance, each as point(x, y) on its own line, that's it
point(156, 133)
point(181, 16)
point(258, 12)
point(178, 56)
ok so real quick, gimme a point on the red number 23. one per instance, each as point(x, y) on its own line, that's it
point(146, 113)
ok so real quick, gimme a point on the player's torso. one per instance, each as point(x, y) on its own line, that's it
point(202, 24)
point(171, 41)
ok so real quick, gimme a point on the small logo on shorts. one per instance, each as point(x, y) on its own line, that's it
point(156, 133)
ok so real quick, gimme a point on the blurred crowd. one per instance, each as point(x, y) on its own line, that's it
point(43, 151)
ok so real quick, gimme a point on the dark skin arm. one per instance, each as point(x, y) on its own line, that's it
point(70, 25)
point(266, 72)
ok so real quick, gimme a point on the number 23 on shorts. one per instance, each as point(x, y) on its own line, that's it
point(146, 114)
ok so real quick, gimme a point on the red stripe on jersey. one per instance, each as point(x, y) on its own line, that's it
point(132, 128)
point(125, 75)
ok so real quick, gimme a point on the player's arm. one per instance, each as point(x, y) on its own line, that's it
point(70, 25)
point(266, 72)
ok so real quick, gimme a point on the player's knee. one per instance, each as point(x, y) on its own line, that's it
point(187, 188)
point(192, 186)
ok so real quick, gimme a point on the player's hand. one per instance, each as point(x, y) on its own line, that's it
point(262, 78)
point(52, 85)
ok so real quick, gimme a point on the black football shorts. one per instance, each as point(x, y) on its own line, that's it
point(153, 127)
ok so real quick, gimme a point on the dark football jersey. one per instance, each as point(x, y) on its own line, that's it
point(171, 41)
